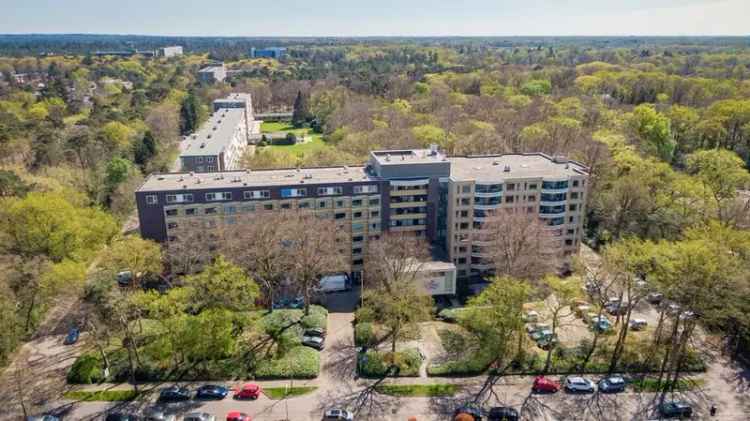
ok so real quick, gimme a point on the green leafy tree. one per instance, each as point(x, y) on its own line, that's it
point(301, 112)
point(189, 115)
point(132, 253)
point(654, 131)
point(222, 285)
point(722, 173)
point(144, 149)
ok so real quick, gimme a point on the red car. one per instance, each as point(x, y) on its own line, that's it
point(545, 385)
point(238, 416)
point(248, 391)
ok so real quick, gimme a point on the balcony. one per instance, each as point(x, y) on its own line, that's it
point(488, 207)
point(407, 228)
point(491, 194)
point(409, 192)
point(412, 204)
point(409, 216)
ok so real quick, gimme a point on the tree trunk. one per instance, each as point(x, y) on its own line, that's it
point(620, 345)
point(667, 356)
point(27, 324)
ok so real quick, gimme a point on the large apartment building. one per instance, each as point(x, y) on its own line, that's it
point(221, 141)
point(422, 192)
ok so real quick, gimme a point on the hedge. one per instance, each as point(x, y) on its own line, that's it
point(299, 362)
point(418, 390)
point(277, 393)
point(470, 365)
point(87, 369)
point(364, 334)
point(378, 364)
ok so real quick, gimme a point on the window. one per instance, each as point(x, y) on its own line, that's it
point(190, 211)
point(575, 183)
point(555, 185)
point(571, 231)
point(461, 261)
point(357, 262)
point(463, 226)
point(330, 191)
point(340, 215)
point(256, 194)
point(568, 242)
point(571, 219)
point(465, 202)
point(530, 209)
point(510, 186)
point(357, 215)
point(303, 205)
point(340, 204)
point(171, 212)
point(268, 206)
point(357, 238)
point(375, 227)
point(210, 211)
point(199, 168)
point(464, 214)
point(509, 199)
point(489, 188)
point(152, 199)
point(356, 203)
point(375, 214)
point(374, 202)
point(199, 160)
point(532, 186)
point(572, 207)
point(466, 188)
point(230, 210)
point(357, 250)
point(366, 189)
point(358, 227)
point(553, 197)
point(210, 168)
point(286, 206)
point(574, 195)
point(231, 220)
point(215, 197)
point(321, 204)
point(210, 159)
point(531, 198)
point(179, 198)
point(172, 225)
point(293, 192)
point(248, 208)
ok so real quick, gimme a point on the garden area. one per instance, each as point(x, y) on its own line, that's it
point(302, 140)
point(269, 348)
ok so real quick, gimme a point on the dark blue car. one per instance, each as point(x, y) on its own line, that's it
point(174, 394)
point(72, 336)
point(211, 391)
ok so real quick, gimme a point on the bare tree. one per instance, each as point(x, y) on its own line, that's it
point(518, 244)
point(192, 246)
point(393, 269)
point(258, 246)
point(313, 248)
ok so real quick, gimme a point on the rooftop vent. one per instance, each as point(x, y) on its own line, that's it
point(184, 186)
point(161, 177)
point(388, 157)
point(181, 178)
point(195, 136)
point(308, 176)
point(215, 127)
point(559, 159)
point(192, 173)
point(495, 163)
point(433, 149)
point(507, 168)
point(203, 145)
point(197, 181)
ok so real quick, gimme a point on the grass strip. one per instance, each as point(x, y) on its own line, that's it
point(277, 393)
point(101, 395)
point(652, 385)
point(418, 390)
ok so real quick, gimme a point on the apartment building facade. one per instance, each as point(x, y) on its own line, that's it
point(213, 73)
point(422, 192)
point(222, 140)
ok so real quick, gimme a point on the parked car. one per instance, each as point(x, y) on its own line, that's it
point(541, 334)
point(654, 297)
point(612, 384)
point(72, 336)
point(531, 316)
point(470, 409)
point(316, 342)
point(238, 416)
point(248, 391)
point(334, 283)
point(579, 384)
point(617, 309)
point(675, 409)
point(338, 414)
point(503, 413)
point(211, 391)
point(315, 331)
point(125, 278)
point(547, 341)
point(158, 415)
point(545, 385)
point(638, 324)
point(174, 394)
point(199, 416)
point(121, 416)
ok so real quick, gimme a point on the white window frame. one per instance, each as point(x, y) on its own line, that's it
point(256, 194)
point(152, 199)
point(330, 191)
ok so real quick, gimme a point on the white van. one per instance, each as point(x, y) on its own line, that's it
point(335, 283)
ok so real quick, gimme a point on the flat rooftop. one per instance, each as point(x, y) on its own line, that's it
point(254, 178)
point(407, 156)
point(513, 166)
point(215, 134)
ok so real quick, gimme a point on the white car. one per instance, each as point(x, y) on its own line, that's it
point(579, 384)
point(338, 414)
point(638, 324)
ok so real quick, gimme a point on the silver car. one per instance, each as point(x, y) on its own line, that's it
point(579, 384)
point(199, 416)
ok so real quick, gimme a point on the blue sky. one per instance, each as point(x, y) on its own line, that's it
point(378, 17)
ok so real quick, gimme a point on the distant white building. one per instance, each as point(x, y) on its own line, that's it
point(213, 73)
point(172, 51)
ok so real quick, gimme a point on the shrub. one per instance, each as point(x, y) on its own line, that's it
point(86, 370)
point(299, 362)
point(277, 393)
point(318, 317)
point(418, 390)
point(378, 364)
point(469, 365)
point(364, 334)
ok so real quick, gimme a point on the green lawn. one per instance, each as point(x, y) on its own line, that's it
point(301, 149)
point(651, 385)
point(277, 393)
point(419, 390)
point(102, 395)
point(280, 126)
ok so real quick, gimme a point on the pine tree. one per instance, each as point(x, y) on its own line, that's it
point(301, 112)
point(144, 149)
point(189, 115)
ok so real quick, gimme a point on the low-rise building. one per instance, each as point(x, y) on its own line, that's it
point(271, 52)
point(172, 51)
point(213, 73)
point(421, 192)
point(221, 141)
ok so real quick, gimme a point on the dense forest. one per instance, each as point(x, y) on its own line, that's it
point(664, 125)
